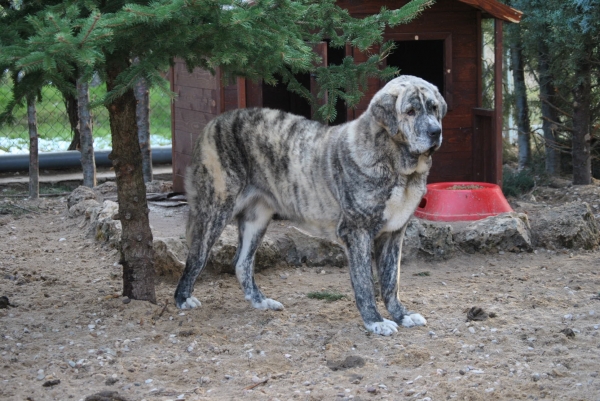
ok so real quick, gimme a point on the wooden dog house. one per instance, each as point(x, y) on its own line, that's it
point(443, 46)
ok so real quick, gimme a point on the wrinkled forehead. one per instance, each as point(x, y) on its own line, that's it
point(410, 89)
point(408, 85)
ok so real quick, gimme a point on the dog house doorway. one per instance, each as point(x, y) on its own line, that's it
point(425, 56)
point(279, 97)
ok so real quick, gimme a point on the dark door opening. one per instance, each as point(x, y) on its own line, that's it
point(278, 97)
point(421, 58)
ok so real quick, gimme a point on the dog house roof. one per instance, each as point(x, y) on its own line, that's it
point(496, 9)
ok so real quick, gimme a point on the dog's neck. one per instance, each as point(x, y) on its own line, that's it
point(374, 147)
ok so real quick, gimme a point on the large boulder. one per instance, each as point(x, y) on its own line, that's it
point(428, 239)
point(169, 256)
point(571, 225)
point(504, 232)
point(298, 248)
point(102, 224)
point(80, 208)
point(80, 194)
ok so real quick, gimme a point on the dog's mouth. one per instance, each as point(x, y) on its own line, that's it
point(432, 149)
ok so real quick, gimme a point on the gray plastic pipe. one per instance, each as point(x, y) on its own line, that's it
point(72, 158)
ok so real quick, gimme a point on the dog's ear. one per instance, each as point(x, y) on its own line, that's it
point(443, 108)
point(384, 112)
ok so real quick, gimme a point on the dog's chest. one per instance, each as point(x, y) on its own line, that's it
point(401, 205)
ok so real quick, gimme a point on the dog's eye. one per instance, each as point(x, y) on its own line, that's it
point(411, 112)
point(434, 108)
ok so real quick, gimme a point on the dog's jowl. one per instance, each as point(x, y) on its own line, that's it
point(356, 183)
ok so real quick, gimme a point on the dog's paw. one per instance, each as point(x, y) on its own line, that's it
point(268, 303)
point(412, 320)
point(385, 328)
point(189, 303)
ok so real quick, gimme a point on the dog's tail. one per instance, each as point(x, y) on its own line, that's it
point(191, 196)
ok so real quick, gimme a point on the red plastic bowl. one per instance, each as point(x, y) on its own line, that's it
point(462, 201)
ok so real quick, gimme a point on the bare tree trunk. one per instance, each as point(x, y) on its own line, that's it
point(522, 109)
point(582, 161)
point(73, 114)
point(136, 246)
point(34, 170)
point(88, 162)
point(143, 122)
point(549, 114)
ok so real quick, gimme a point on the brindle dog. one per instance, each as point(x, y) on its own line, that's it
point(356, 183)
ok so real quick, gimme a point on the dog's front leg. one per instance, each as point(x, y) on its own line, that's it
point(358, 248)
point(388, 253)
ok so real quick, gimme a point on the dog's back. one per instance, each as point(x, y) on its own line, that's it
point(248, 155)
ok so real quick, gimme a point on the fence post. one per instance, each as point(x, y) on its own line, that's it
point(88, 162)
point(34, 170)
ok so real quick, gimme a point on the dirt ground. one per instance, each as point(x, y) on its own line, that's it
point(71, 324)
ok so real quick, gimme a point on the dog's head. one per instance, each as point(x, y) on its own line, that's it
point(410, 109)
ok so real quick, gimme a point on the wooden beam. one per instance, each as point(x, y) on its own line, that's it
point(496, 10)
point(241, 92)
point(497, 141)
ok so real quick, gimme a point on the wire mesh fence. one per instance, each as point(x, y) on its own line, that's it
point(53, 121)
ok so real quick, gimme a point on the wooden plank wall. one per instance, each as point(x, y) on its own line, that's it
point(454, 161)
point(198, 101)
point(202, 97)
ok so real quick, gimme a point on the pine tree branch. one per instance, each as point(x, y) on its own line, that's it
point(559, 125)
point(544, 100)
point(96, 18)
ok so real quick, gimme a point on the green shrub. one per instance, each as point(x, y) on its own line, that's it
point(515, 183)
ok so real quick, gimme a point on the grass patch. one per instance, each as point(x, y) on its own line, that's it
point(13, 209)
point(422, 274)
point(326, 296)
point(54, 190)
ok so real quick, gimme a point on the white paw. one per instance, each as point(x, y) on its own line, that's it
point(413, 319)
point(385, 328)
point(268, 303)
point(190, 303)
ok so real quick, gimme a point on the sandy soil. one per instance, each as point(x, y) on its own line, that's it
point(71, 324)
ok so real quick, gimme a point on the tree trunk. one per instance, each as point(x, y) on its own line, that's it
point(143, 122)
point(136, 249)
point(73, 114)
point(582, 161)
point(522, 109)
point(549, 114)
point(88, 162)
point(34, 170)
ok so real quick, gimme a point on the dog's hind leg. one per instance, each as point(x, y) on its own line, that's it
point(205, 228)
point(388, 253)
point(252, 224)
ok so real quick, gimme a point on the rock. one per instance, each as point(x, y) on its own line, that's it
point(79, 209)
point(102, 225)
point(437, 241)
point(298, 248)
point(79, 195)
point(158, 186)
point(571, 225)
point(106, 189)
point(169, 256)
point(433, 240)
point(504, 232)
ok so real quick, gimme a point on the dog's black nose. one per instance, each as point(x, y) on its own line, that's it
point(435, 132)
